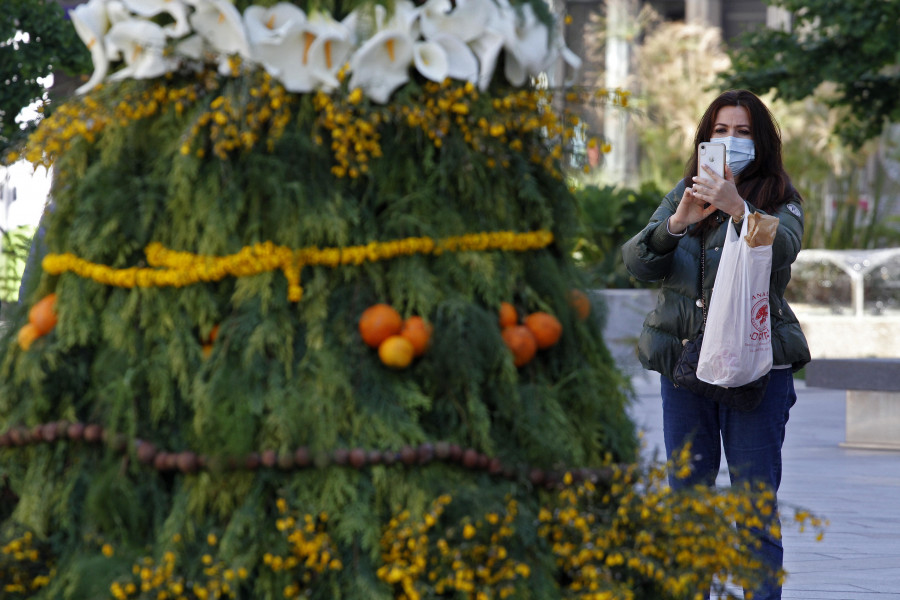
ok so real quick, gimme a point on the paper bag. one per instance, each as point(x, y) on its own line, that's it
point(761, 230)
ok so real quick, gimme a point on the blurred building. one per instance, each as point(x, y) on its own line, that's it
point(733, 17)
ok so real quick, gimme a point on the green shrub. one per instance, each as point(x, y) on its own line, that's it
point(609, 217)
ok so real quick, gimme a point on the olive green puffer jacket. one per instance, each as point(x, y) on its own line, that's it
point(655, 255)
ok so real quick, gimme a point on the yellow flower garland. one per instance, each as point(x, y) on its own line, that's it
point(178, 269)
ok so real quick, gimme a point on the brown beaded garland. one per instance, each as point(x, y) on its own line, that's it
point(189, 462)
point(186, 462)
point(92, 433)
point(268, 458)
point(251, 463)
point(357, 458)
point(75, 431)
point(470, 458)
point(301, 457)
point(340, 456)
point(285, 461)
point(408, 455)
point(146, 452)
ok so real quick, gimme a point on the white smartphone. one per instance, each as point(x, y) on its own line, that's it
point(711, 154)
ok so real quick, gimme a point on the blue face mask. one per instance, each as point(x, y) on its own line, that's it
point(739, 152)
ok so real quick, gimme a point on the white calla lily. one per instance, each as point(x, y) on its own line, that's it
point(499, 27)
point(283, 61)
point(270, 25)
point(191, 47)
point(527, 46)
point(304, 53)
point(142, 45)
point(431, 61)
point(465, 21)
point(572, 60)
point(460, 39)
point(91, 23)
point(381, 65)
point(327, 47)
point(462, 64)
point(116, 12)
point(150, 8)
point(309, 62)
point(487, 49)
point(365, 21)
point(269, 31)
point(220, 24)
point(361, 22)
point(404, 17)
point(523, 38)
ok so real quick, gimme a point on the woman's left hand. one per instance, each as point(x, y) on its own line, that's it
point(720, 192)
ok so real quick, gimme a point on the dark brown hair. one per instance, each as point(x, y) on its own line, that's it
point(764, 182)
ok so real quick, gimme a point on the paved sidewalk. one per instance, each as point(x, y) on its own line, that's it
point(858, 491)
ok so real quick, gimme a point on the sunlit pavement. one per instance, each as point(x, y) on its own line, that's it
point(858, 491)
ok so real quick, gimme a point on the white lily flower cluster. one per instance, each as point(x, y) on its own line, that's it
point(440, 39)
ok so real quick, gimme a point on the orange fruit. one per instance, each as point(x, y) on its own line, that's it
point(418, 332)
point(379, 322)
point(43, 314)
point(27, 335)
point(214, 333)
point(508, 315)
point(581, 303)
point(396, 352)
point(207, 350)
point(521, 342)
point(545, 327)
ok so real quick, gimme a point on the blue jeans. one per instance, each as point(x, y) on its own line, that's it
point(752, 442)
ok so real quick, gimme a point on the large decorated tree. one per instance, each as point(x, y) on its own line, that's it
point(306, 322)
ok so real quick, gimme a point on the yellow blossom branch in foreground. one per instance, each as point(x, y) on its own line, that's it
point(171, 268)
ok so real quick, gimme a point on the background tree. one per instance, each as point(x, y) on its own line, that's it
point(36, 40)
point(848, 188)
point(678, 67)
point(850, 44)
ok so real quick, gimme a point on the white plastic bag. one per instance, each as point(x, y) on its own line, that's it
point(737, 342)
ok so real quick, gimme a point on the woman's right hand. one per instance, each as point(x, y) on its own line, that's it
point(690, 210)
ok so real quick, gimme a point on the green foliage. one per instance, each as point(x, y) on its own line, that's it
point(14, 248)
point(52, 46)
point(850, 45)
point(858, 220)
point(610, 216)
point(849, 192)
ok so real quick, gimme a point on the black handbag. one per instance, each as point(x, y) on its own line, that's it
point(745, 397)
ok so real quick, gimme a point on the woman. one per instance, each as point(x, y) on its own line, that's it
point(668, 250)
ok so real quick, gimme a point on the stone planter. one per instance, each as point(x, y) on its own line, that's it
point(622, 314)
